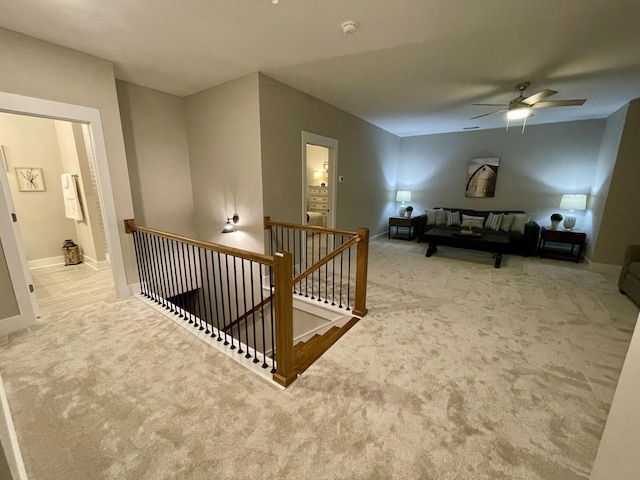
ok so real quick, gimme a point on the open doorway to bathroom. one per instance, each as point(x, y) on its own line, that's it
point(319, 180)
point(37, 153)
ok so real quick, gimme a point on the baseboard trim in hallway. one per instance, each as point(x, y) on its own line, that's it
point(10, 449)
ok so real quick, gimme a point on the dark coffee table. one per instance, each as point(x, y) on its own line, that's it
point(486, 242)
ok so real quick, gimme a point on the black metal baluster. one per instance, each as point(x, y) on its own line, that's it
point(349, 281)
point(176, 287)
point(196, 290)
point(188, 287)
point(333, 275)
point(145, 264)
point(166, 271)
point(221, 306)
point(183, 282)
point(253, 314)
point(313, 258)
point(215, 294)
point(159, 262)
point(147, 249)
point(138, 250)
point(201, 306)
point(341, 274)
point(226, 263)
point(273, 340)
point(169, 270)
point(209, 316)
point(198, 271)
point(264, 340)
point(154, 254)
point(306, 256)
point(246, 320)
point(326, 270)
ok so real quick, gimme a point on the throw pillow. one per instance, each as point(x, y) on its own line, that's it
point(453, 218)
point(431, 216)
point(472, 222)
point(441, 217)
point(507, 221)
point(494, 220)
point(519, 221)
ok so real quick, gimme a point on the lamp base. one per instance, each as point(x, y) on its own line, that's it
point(402, 212)
point(569, 222)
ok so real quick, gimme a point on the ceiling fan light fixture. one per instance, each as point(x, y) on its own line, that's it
point(519, 113)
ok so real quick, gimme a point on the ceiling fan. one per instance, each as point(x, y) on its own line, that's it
point(521, 107)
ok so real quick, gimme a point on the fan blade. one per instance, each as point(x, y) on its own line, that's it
point(490, 113)
point(536, 97)
point(491, 104)
point(560, 103)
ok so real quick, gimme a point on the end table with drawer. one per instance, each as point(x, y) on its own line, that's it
point(554, 244)
point(404, 222)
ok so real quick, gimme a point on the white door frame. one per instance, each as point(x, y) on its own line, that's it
point(332, 145)
point(37, 107)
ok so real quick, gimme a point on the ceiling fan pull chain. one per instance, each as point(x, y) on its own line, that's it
point(524, 124)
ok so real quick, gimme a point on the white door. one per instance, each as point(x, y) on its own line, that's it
point(331, 144)
point(16, 255)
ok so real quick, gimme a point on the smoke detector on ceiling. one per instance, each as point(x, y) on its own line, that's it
point(350, 26)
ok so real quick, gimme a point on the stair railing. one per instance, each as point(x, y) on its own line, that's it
point(220, 291)
point(329, 265)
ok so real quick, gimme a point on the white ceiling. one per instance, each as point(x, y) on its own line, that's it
point(413, 67)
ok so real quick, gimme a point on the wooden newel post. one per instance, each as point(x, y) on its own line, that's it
point(283, 311)
point(128, 225)
point(362, 262)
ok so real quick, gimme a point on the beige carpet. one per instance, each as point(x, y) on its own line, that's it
point(460, 371)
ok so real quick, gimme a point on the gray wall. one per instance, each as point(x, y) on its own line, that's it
point(621, 219)
point(602, 174)
point(8, 303)
point(223, 125)
point(535, 168)
point(367, 158)
point(155, 134)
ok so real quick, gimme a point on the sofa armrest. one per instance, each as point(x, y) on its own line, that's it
point(421, 225)
point(631, 254)
point(531, 237)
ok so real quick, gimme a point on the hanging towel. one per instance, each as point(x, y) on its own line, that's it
point(72, 207)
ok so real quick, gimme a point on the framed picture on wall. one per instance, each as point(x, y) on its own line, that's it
point(30, 179)
point(481, 177)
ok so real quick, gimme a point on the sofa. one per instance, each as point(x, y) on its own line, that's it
point(629, 281)
point(523, 235)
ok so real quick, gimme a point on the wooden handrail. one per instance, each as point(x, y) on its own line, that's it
point(246, 314)
point(294, 226)
point(345, 246)
point(130, 226)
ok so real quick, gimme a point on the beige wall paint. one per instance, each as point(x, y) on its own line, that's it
point(223, 126)
point(32, 142)
point(155, 134)
point(620, 224)
point(602, 174)
point(368, 158)
point(535, 168)
point(39, 69)
point(73, 153)
point(9, 304)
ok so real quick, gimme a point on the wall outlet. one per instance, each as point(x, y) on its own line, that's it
point(340, 178)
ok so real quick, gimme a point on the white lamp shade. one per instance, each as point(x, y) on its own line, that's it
point(318, 175)
point(403, 196)
point(573, 202)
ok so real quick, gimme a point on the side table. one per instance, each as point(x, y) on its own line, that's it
point(404, 222)
point(559, 241)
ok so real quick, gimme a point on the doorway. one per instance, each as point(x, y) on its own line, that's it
point(48, 151)
point(319, 180)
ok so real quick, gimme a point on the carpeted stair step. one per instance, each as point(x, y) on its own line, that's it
point(305, 353)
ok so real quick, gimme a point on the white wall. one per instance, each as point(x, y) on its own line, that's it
point(33, 142)
point(223, 126)
point(535, 170)
point(38, 69)
point(9, 304)
point(155, 134)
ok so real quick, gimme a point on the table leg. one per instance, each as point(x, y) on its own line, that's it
point(498, 262)
point(431, 250)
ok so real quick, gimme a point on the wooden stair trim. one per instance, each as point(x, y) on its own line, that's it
point(306, 353)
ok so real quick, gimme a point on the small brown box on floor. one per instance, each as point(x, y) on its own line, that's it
point(71, 253)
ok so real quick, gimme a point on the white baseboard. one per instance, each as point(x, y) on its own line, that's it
point(15, 324)
point(605, 268)
point(95, 264)
point(134, 289)
point(45, 262)
point(9, 438)
point(373, 238)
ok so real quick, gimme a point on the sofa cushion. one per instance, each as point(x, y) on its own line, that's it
point(507, 221)
point(494, 220)
point(519, 221)
point(441, 217)
point(472, 222)
point(453, 218)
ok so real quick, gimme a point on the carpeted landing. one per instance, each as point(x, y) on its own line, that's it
point(460, 371)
